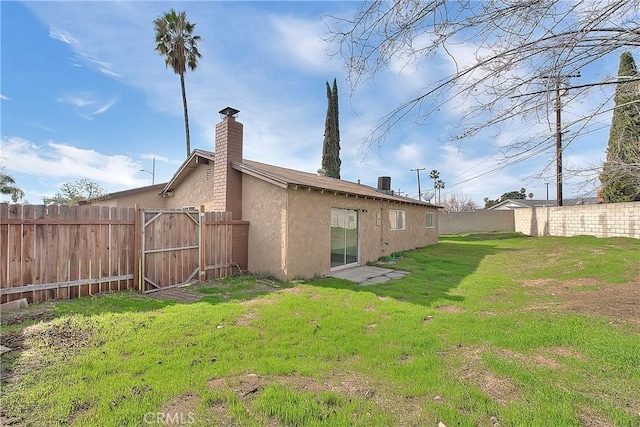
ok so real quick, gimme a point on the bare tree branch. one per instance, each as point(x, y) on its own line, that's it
point(514, 43)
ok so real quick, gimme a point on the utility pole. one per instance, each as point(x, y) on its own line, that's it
point(417, 171)
point(558, 108)
point(399, 193)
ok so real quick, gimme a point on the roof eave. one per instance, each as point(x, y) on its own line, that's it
point(244, 168)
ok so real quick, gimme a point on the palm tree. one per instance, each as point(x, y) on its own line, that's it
point(434, 175)
point(439, 185)
point(175, 41)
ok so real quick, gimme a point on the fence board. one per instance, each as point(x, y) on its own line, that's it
point(4, 246)
point(49, 253)
point(15, 247)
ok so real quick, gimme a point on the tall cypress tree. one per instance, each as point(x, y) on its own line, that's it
point(619, 182)
point(331, 145)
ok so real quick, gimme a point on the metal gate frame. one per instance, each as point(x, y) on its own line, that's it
point(193, 215)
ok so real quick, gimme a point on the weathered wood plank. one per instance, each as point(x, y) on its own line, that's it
point(15, 247)
point(15, 221)
point(4, 245)
point(74, 283)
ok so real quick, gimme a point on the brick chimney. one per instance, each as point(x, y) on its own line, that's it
point(227, 182)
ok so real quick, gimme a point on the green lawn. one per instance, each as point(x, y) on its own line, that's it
point(487, 328)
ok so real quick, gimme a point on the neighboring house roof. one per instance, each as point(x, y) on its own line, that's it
point(521, 203)
point(529, 203)
point(156, 187)
point(284, 178)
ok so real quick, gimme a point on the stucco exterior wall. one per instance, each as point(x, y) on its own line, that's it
point(476, 222)
point(415, 235)
point(306, 227)
point(196, 189)
point(604, 220)
point(265, 206)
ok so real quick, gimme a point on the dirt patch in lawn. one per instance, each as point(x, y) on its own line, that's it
point(589, 417)
point(591, 296)
point(450, 309)
point(44, 312)
point(181, 410)
point(538, 359)
point(406, 411)
point(41, 345)
point(473, 370)
point(237, 290)
point(468, 366)
point(182, 295)
point(62, 334)
point(346, 383)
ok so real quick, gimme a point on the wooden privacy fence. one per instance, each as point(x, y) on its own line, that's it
point(61, 252)
point(50, 252)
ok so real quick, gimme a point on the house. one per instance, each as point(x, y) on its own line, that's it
point(143, 196)
point(511, 204)
point(301, 224)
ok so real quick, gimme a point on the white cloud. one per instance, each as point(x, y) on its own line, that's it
point(63, 36)
point(105, 107)
point(66, 162)
point(301, 40)
point(408, 153)
point(81, 52)
point(4, 98)
point(79, 101)
point(86, 104)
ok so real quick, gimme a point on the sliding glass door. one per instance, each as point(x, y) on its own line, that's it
point(344, 237)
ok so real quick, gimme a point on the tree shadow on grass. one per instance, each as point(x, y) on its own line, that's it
point(436, 271)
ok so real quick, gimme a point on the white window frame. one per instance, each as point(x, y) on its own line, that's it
point(397, 219)
point(430, 219)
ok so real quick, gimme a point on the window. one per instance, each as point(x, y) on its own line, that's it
point(431, 220)
point(396, 219)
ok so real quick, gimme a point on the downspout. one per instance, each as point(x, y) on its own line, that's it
point(381, 228)
point(284, 267)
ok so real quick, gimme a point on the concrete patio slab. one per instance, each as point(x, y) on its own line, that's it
point(368, 275)
point(375, 281)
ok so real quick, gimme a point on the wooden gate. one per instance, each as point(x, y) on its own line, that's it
point(170, 248)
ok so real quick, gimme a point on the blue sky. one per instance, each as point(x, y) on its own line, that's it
point(84, 95)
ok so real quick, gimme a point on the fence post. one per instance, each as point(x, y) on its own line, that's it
point(203, 244)
point(137, 231)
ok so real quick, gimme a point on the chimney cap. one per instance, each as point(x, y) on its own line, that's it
point(229, 112)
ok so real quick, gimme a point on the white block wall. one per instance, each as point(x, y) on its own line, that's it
point(603, 220)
